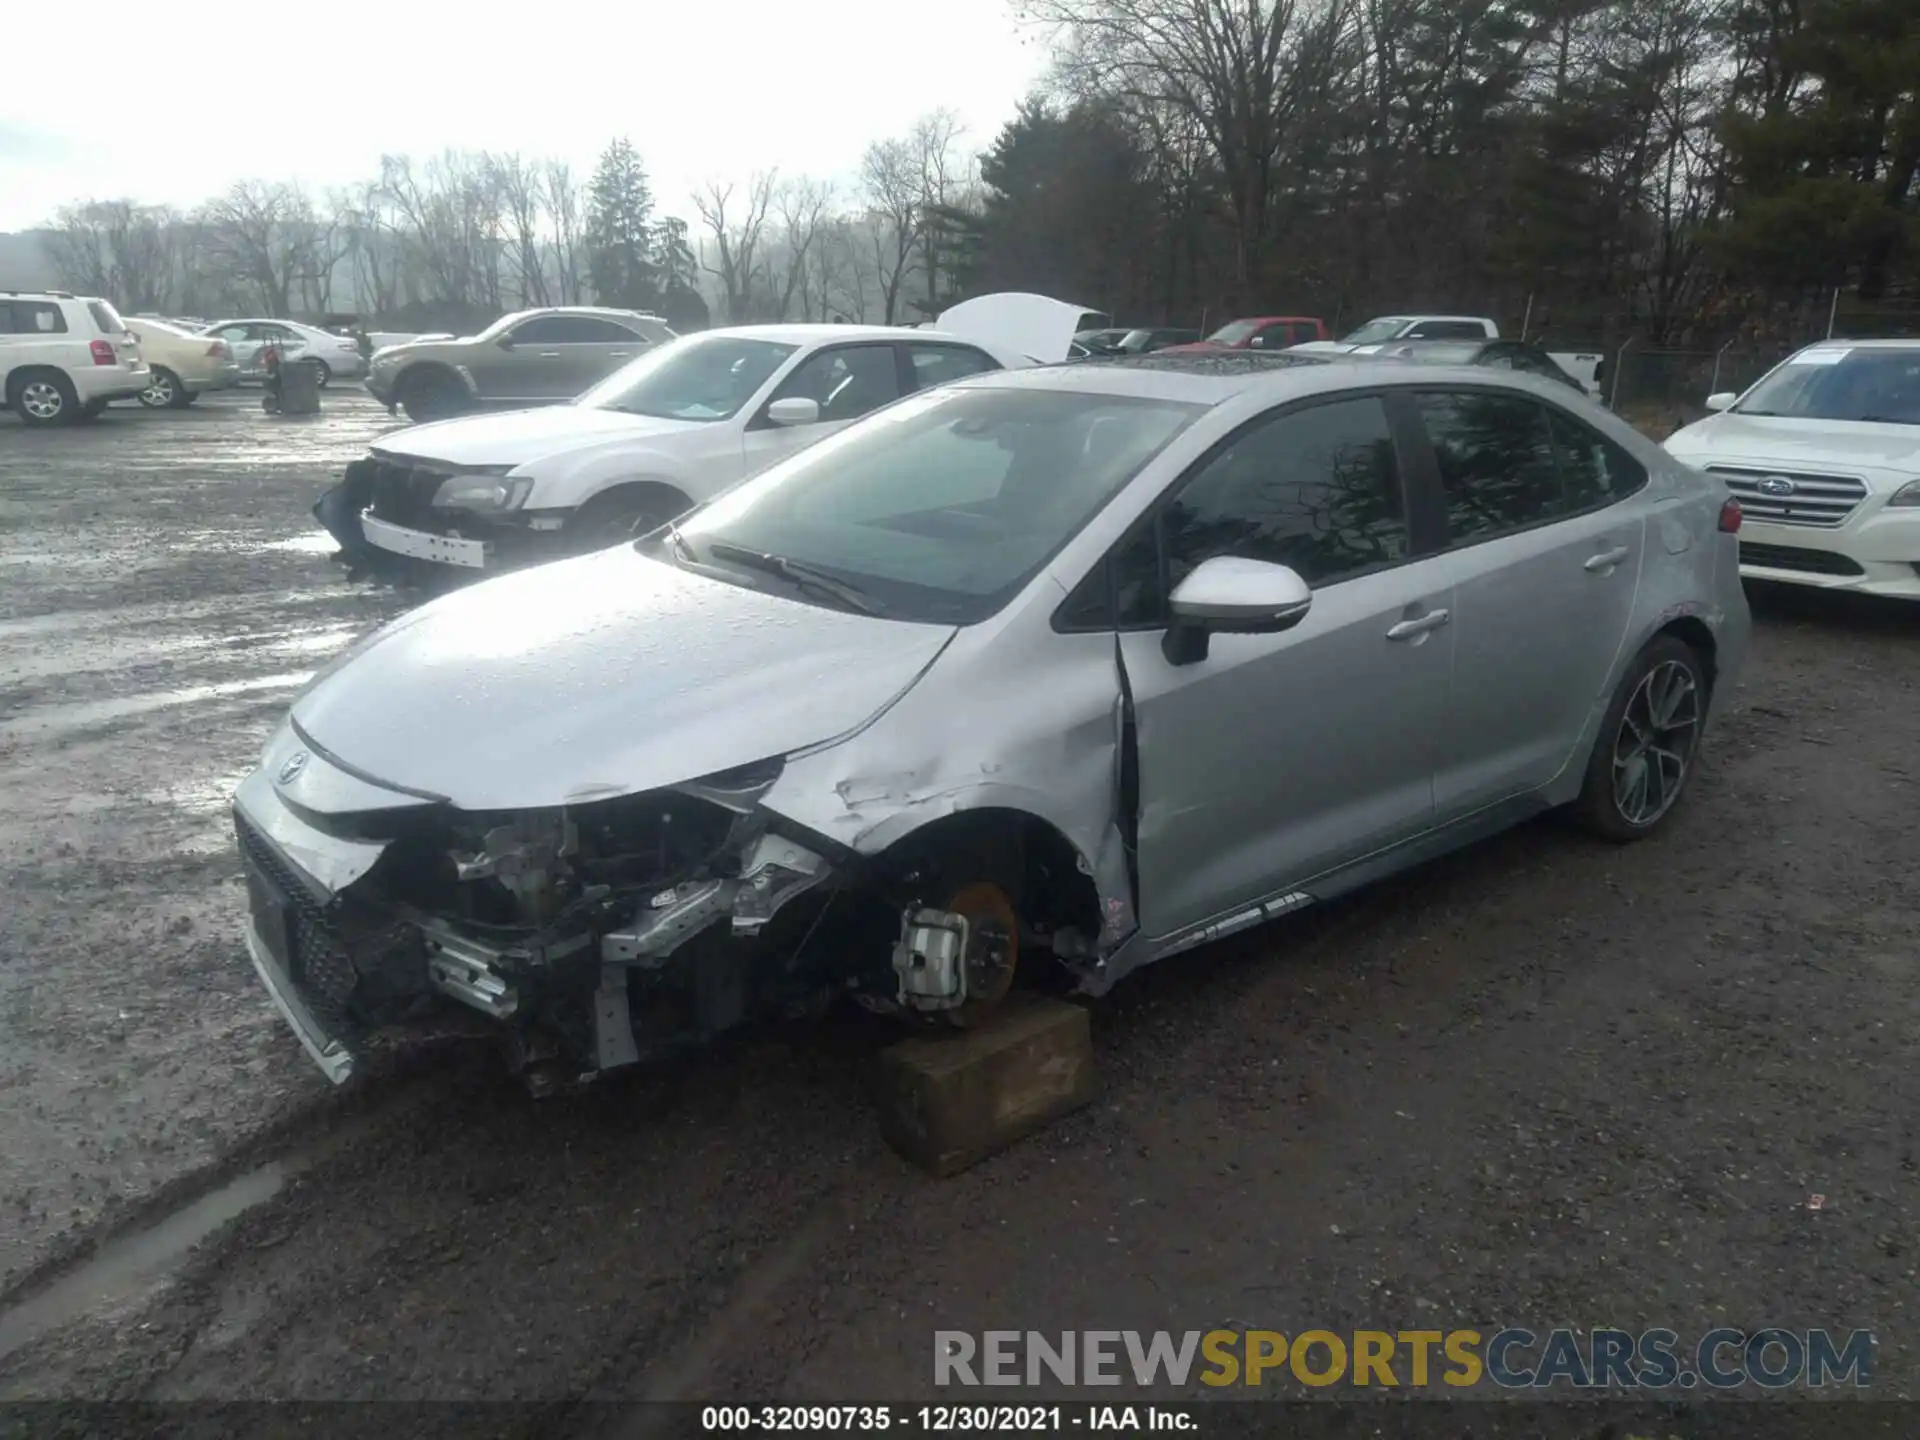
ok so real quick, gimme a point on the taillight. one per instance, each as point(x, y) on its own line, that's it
point(104, 353)
point(218, 351)
point(1730, 518)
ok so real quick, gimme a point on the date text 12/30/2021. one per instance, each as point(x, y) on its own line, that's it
point(943, 1419)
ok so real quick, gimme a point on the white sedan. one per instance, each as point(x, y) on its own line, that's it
point(337, 356)
point(1823, 455)
point(659, 436)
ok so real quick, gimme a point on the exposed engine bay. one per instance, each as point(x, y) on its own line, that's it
point(617, 931)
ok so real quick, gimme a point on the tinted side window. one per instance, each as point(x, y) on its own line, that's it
point(1496, 462)
point(1316, 489)
point(1597, 471)
point(847, 382)
point(937, 364)
point(541, 330)
point(37, 317)
point(586, 330)
point(1447, 330)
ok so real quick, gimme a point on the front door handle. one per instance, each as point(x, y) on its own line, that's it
point(618, 355)
point(1607, 559)
point(549, 355)
point(1412, 629)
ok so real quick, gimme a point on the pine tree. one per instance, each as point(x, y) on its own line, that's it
point(620, 232)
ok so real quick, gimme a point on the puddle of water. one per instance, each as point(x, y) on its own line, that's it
point(126, 1269)
point(92, 712)
point(318, 543)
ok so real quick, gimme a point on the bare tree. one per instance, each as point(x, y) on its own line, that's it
point(804, 206)
point(562, 195)
point(1246, 72)
point(267, 236)
point(890, 185)
point(523, 200)
point(935, 140)
point(738, 240)
point(116, 248)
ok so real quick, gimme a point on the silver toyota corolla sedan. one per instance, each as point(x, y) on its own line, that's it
point(1067, 669)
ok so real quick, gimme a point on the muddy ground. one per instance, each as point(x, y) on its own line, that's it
point(1543, 1082)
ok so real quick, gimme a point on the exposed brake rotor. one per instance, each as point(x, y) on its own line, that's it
point(993, 950)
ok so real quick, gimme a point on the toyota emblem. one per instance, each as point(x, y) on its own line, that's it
point(291, 768)
point(1776, 485)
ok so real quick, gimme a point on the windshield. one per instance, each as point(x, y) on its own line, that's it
point(1839, 383)
point(1233, 334)
point(698, 377)
point(1374, 331)
point(940, 507)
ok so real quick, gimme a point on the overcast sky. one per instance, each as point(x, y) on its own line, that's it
point(173, 103)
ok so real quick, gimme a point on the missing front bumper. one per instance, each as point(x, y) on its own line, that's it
point(335, 1060)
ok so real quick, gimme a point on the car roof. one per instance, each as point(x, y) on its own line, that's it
point(1272, 320)
point(1214, 379)
point(1836, 343)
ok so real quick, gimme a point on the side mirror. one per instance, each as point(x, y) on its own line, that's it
point(1722, 400)
point(794, 410)
point(1231, 596)
point(505, 342)
point(1258, 342)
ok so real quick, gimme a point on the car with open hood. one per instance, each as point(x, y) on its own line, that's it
point(671, 429)
point(1823, 453)
point(1040, 675)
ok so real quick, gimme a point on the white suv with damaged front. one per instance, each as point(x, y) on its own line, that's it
point(1035, 677)
point(1824, 456)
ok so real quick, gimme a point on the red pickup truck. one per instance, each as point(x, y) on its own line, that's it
point(1260, 332)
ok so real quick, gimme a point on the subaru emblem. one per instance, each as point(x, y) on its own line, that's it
point(291, 768)
point(1776, 485)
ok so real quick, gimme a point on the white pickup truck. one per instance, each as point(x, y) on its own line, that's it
point(1582, 365)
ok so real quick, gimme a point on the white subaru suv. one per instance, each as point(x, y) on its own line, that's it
point(1823, 454)
point(63, 358)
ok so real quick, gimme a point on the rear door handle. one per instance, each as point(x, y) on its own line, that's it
point(549, 354)
point(1607, 559)
point(617, 355)
point(1409, 629)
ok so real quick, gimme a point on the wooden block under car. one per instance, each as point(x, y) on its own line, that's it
point(949, 1101)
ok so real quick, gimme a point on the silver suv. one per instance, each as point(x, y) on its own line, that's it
point(531, 357)
point(64, 358)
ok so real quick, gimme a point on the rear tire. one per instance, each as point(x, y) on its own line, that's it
point(435, 395)
point(1648, 743)
point(164, 390)
point(44, 397)
point(322, 373)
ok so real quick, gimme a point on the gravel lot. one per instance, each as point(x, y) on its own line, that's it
point(1544, 1082)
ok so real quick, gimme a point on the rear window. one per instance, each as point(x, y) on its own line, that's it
point(105, 318)
point(31, 317)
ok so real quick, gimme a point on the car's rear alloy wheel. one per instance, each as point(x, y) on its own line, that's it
point(163, 390)
point(45, 400)
point(322, 373)
point(1645, 753)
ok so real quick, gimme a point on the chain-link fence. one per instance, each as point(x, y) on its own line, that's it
point(1646, 379)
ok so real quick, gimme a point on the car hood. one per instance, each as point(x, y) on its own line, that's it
point(1799, 444)
point(1036, 326)
point(601, 676)
point(520, 437)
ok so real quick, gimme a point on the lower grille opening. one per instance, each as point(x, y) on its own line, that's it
point(1794, 557)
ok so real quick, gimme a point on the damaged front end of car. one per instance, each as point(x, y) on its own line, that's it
point(593, 936)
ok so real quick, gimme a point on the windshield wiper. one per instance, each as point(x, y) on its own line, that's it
point(679, 543)
point(799, 572)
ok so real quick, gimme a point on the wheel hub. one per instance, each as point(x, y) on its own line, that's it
point(1655, 743)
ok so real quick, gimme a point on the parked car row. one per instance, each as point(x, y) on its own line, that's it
point(65, 358)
